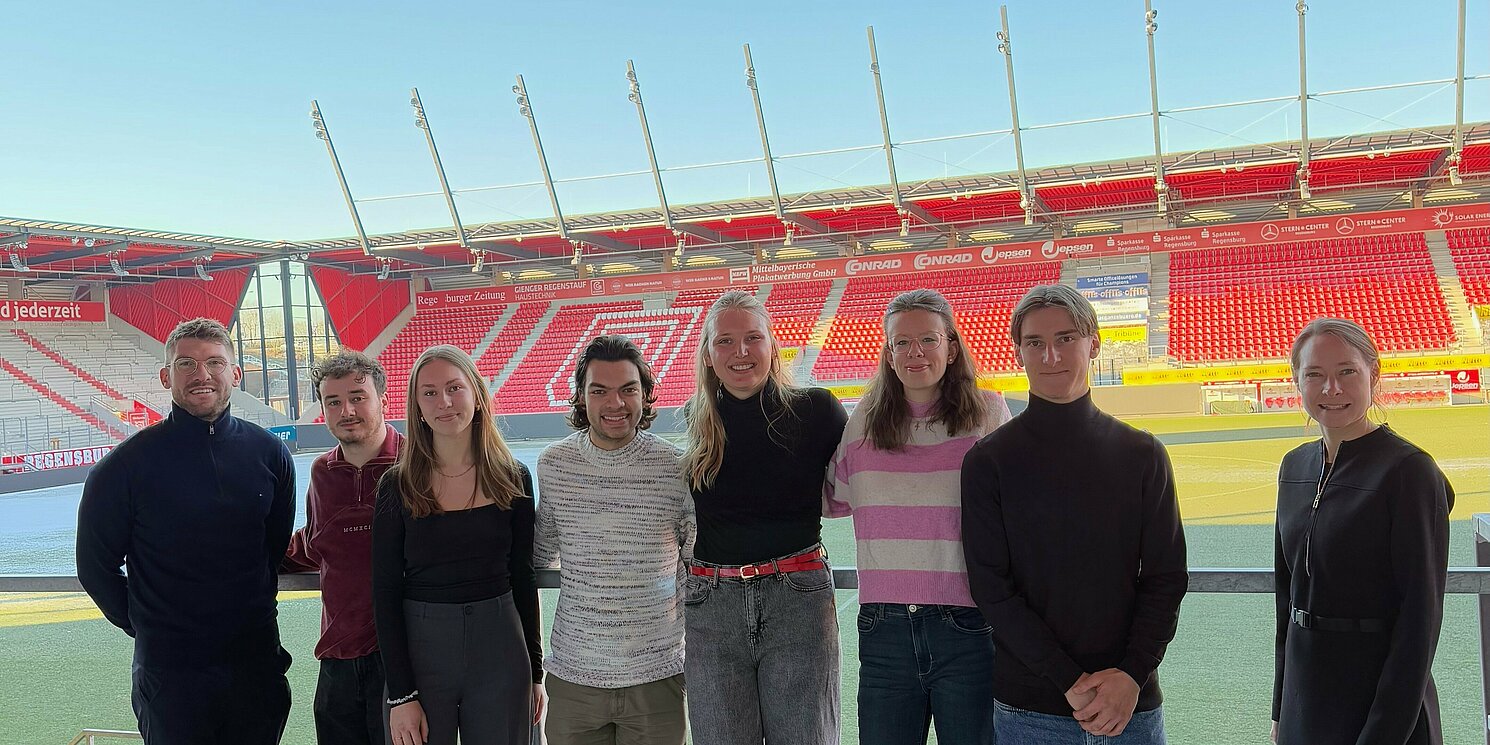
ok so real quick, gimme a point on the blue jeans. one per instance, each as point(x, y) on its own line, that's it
point(762, 660)
point(1020, 727)
point(924, 663)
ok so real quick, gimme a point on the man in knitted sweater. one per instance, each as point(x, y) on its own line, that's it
point(616, 515)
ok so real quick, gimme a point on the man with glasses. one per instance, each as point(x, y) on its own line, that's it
point(199, 508)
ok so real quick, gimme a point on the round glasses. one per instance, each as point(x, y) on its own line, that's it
point(902, 344)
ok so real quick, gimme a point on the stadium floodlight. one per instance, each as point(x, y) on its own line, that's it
point(17, 262)
point(202, 272)
point(119, 271)
point(480, 261)
point(787, 242)
point(579, 253)
point(905, 227)
point(383, 267)
point(678, 252)
point(89, 243)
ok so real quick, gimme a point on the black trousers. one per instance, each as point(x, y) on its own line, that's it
point(349, 701)
point(242, 704)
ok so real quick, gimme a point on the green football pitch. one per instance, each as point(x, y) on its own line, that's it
point(65, 669)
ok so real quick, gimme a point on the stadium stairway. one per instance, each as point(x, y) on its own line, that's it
point(820, 330)
point(510, 366)
point(1466, 329)
point(495, 331)
point(1158, 306)
point(84, 375)
point(51, 395)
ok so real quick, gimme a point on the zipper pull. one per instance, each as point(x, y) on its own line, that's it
point(212, 430)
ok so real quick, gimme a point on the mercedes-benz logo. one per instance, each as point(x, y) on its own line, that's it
point(1345, 226)
point(1269, 232)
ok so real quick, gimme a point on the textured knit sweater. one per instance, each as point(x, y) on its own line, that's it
point(619, 523)
point(907, 507)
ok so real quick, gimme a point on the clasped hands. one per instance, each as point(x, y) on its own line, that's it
point(1103, 702)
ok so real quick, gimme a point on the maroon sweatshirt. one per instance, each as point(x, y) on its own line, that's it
point(337, 542)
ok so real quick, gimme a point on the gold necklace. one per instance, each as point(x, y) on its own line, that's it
point(458, 475)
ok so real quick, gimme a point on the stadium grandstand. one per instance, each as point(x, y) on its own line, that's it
point(1202, 263)
point(1211, 290)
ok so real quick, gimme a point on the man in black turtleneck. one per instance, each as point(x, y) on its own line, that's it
point(1075, 553)
point(199, 508)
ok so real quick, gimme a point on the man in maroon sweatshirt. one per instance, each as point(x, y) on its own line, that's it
point(337, 542)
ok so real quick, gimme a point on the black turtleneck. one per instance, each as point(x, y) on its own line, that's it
point(767, 501)
point(201, 514)
point(1075, 553)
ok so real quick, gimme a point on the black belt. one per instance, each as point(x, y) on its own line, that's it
point(1306, 620)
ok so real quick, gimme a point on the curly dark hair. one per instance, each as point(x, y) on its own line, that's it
point(612, 348)
point(349, 362)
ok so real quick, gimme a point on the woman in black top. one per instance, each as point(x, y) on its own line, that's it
point(1361, 560)
point(455, 596)
point(762, 635)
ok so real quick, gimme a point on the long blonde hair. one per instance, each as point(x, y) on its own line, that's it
point(705, 453)
point(962, 408)
point(497, 472)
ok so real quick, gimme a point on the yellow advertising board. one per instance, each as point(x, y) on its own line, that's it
point(1124, 333)
point(1281, 371)
point(1000, 383)
point(1483, 311)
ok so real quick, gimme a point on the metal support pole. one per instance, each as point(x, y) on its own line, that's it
point(292, 388)
point(422, 122)
point(1456, 157)
point(635, 96)
point(879, 95)
point(1026, 199)
point(1482, 559)
point(760, 119)
point(1303, 172)
point(525, 107)
point(324, 134)
point(1161, 189)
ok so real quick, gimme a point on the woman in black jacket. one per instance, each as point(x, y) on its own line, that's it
point(1361, 560)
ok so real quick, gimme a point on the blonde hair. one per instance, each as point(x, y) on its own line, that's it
point(705, 453)
point(962, 408)
point(1356, 338)
point(497, 472)
point(1083, 315)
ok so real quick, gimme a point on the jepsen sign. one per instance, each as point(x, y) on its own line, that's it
point(50, 311)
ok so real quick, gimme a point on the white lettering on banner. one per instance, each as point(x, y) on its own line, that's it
point(54, 459)
point(993, 256)
point(1051, 250)
point(923, 261)
point(854, 266)
point(49, 310)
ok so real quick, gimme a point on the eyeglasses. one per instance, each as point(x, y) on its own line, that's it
point(189, 366)
point(902, 344)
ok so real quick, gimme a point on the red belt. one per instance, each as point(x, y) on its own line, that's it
point(805, 561)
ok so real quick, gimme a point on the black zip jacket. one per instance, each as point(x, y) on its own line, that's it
point(200, 513)
point(1374, 546)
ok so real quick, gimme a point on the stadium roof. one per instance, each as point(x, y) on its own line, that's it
point(1360, 172)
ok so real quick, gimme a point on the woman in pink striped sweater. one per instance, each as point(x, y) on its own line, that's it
point(925, 652)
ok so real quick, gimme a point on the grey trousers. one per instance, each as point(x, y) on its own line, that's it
point(763, 660)
point(472, 671)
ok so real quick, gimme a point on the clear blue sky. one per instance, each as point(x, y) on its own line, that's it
point(193, 115)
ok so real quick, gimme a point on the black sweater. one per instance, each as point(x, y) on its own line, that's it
point(1378, 548)
point(200, 513)
point(464, 556)
point(767, 501)
point(1075, 553)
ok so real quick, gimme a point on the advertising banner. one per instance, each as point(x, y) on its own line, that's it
point(51, 311)
point(968, 257)
point(53, 459)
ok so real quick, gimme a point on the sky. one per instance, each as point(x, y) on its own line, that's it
point(193, 116)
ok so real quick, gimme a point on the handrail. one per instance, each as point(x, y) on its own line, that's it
point(90, 736)
point(1461, 581)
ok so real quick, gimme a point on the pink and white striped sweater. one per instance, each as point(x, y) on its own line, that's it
point(907, 508)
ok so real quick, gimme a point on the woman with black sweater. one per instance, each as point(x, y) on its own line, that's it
point(455, 596)
point(762, 634)
point(1361, 560)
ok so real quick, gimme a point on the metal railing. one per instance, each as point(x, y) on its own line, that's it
point(1461, 581)
point(91, 736)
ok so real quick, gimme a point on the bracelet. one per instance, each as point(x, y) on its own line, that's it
point(413, 696)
